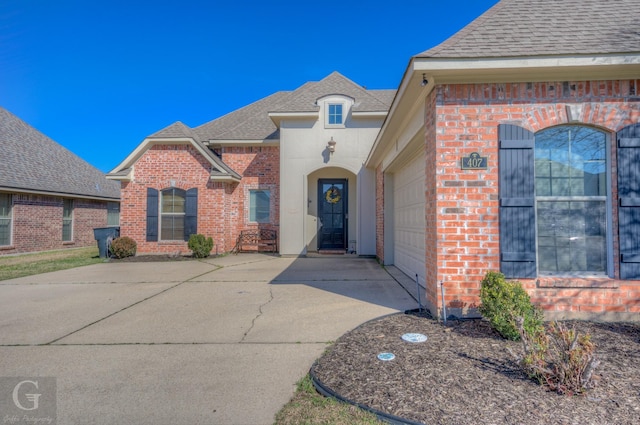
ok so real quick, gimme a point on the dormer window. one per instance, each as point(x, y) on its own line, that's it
point(334, 114)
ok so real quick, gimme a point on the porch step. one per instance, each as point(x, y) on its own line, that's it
point(331, 251)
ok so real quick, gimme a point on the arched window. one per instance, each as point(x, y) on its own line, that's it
point(571, 190)
point(172, 214)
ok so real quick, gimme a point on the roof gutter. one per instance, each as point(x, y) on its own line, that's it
point(492, 70)
point(58, 194)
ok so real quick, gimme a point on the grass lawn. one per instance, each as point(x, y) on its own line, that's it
point(310, 408)
point(29, 264)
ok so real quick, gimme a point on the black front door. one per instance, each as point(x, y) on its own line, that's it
point(332, 214)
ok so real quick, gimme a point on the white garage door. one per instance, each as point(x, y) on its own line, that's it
point(409, 218)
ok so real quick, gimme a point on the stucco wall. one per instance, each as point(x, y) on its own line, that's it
point(303, 151)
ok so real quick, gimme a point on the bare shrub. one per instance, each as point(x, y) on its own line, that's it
point(559, 358)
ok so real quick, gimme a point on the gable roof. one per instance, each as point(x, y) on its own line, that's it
point(255, 124)
point(253, 121)
point(32, 162)
point(176, 133)
point(516, 28)
point(304, 99)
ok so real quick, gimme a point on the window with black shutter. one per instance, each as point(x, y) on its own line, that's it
point(517, 202)
point(554, 209)
point(152, 215)
point(628, 142)
point(191, 213)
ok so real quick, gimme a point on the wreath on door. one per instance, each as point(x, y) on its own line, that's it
point(332, 195)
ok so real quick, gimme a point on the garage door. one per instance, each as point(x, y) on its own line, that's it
point(409, 218)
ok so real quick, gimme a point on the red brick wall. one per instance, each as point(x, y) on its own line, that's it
point(466, 201)
point(37, 223)
point(431, 203)
point(222, 206)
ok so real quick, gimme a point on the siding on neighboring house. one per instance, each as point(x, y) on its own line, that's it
point(465, 206)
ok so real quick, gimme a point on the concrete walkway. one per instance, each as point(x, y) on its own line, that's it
point(218, 341)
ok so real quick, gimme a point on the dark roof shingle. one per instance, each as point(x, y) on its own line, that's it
point(519, 28)
point(252, 122)
point(33, 161)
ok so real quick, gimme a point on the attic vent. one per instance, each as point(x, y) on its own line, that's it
point(567, 88)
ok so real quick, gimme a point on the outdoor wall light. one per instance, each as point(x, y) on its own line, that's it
point(424, 80)
point(331, 145)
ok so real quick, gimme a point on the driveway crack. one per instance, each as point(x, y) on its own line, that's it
point(260, 312)
point(126, 308)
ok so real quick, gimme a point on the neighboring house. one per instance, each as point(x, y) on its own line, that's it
point(515, 146)
point(291, 162)
point(49, 197)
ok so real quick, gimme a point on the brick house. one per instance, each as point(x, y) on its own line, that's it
point(514, 146)
point(511, 146)
point(49, 197)
point(291, 162)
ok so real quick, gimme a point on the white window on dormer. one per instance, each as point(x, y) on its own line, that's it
point(334, 114)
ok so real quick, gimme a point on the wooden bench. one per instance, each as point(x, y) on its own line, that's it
point(257, 240)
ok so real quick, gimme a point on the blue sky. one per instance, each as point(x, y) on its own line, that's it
point(99, 76)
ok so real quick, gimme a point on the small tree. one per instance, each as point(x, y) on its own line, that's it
point(200, 246)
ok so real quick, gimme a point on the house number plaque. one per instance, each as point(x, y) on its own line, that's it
point(474, 162)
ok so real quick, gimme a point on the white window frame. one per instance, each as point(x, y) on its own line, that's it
point(609, 215)
point(8, 217)
point(162, 214)
point(328, 114)
point(252, 208)
point(67, 221)
point(112, 208)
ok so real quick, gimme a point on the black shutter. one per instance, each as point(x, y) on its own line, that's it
point(191, 214)
point(628, 140)
point(152, 215)
point(517, 202)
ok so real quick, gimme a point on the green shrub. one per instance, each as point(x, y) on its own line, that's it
point(123, 247)
point(560, 359)
point(502, 302)
point(200, 246)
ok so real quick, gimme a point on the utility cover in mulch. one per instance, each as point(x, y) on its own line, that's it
point(463, 374)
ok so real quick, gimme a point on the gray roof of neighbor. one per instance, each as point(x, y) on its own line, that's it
point(32, 161)
point(519, 28)
point(252, 122)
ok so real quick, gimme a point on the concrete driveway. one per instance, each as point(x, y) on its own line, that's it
point(219, 341)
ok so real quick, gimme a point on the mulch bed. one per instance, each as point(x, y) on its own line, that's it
point(463, 374)
point(152, 258)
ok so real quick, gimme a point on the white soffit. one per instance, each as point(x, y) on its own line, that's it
point(527, 69)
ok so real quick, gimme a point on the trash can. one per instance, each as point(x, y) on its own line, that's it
point(104, 236)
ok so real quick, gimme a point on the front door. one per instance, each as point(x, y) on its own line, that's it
point(332, 214)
